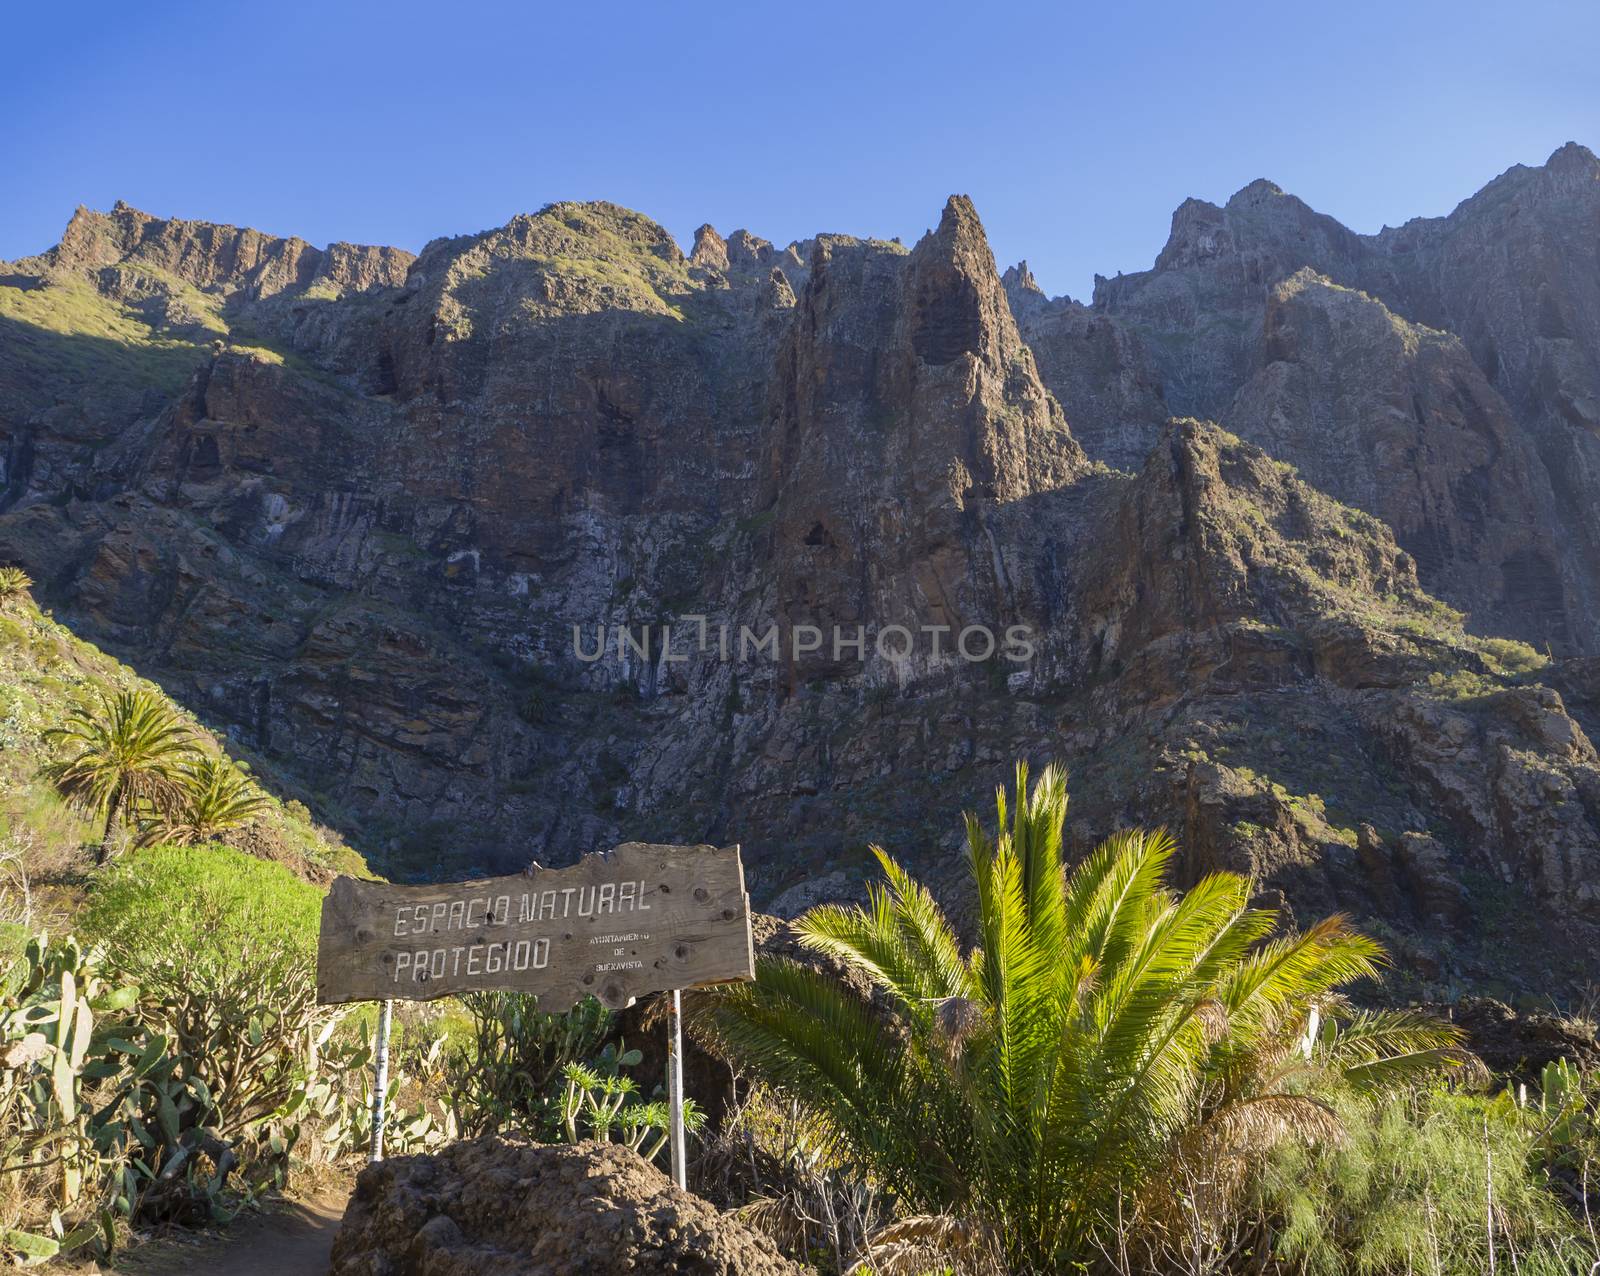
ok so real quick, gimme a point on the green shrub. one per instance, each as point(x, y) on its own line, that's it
point(223, 949)
point(176, 905)
point(599, 1102)
point(1564, 1113)
point(1510, 656)
point(551, 1076)
point(1412, 1187)
point(103, 1118)
point(1460, 685)
point(337, 1102)
point(510, 1075)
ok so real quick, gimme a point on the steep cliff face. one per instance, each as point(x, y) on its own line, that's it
point(1396, 419)
point(1096, 364)
point(1200, 309)
point(1515, 273)
point(907, 415)
point(1336, 731)
point(1225, 319)
point(223, 259)
point(554, 535)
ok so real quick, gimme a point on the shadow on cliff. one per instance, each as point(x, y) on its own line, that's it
point(45, 366)
point(74, 394)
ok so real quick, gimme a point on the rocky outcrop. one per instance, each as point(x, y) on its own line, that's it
point(1199, 310)
point(1397, 420)
point(1425, 866)
point(1276, 652)
point(1460, 397)
point(1520, 1043)
point(206, 256)
point(1097, 365)
point(907, 415)
point(501, 1207)
point(1513, 777)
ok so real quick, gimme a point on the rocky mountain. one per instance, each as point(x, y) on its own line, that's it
point(553, 535)
point(1441, 375)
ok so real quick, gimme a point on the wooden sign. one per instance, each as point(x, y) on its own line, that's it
point(641, 918)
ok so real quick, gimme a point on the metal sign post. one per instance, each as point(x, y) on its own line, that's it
point(380, 1082)
point(675, 1089)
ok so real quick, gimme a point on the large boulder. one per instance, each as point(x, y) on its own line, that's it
point(505, 1207)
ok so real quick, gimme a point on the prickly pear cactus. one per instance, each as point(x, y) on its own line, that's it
point(57, 1077)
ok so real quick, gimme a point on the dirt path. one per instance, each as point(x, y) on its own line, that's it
point(291, 1238)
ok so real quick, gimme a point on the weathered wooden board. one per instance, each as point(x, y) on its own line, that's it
point(641, 918)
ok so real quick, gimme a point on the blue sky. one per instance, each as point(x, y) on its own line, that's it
point(1076, 128)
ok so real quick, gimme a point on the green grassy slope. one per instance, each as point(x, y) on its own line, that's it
point(44, 668)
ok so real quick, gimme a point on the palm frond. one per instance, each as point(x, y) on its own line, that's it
point(14, 583)
point(1115, 912)
point(1036, 840)
point(930, 940)
point(809, 1036)
point(1376, 1050)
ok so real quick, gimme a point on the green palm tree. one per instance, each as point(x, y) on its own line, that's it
point(216, 795)
point(1104, 1032)
point(127, 754)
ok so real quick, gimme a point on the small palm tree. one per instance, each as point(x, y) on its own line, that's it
point(14, 583)
point(1104, 1033)
point(127, 755)
point(217, 795)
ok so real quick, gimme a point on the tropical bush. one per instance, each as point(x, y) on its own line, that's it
point(45, 672)
point(63, 1165)
point(1106, 1039)
point(222, 947)
point(337, 1102)
point(104, 1118)
point(14, 584)
point(101, 1118)
point(510, 1075)
point(599, 1102)
point(1565, 1116)
point(173, 1066)
point(132, 760)
point(215, 795)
